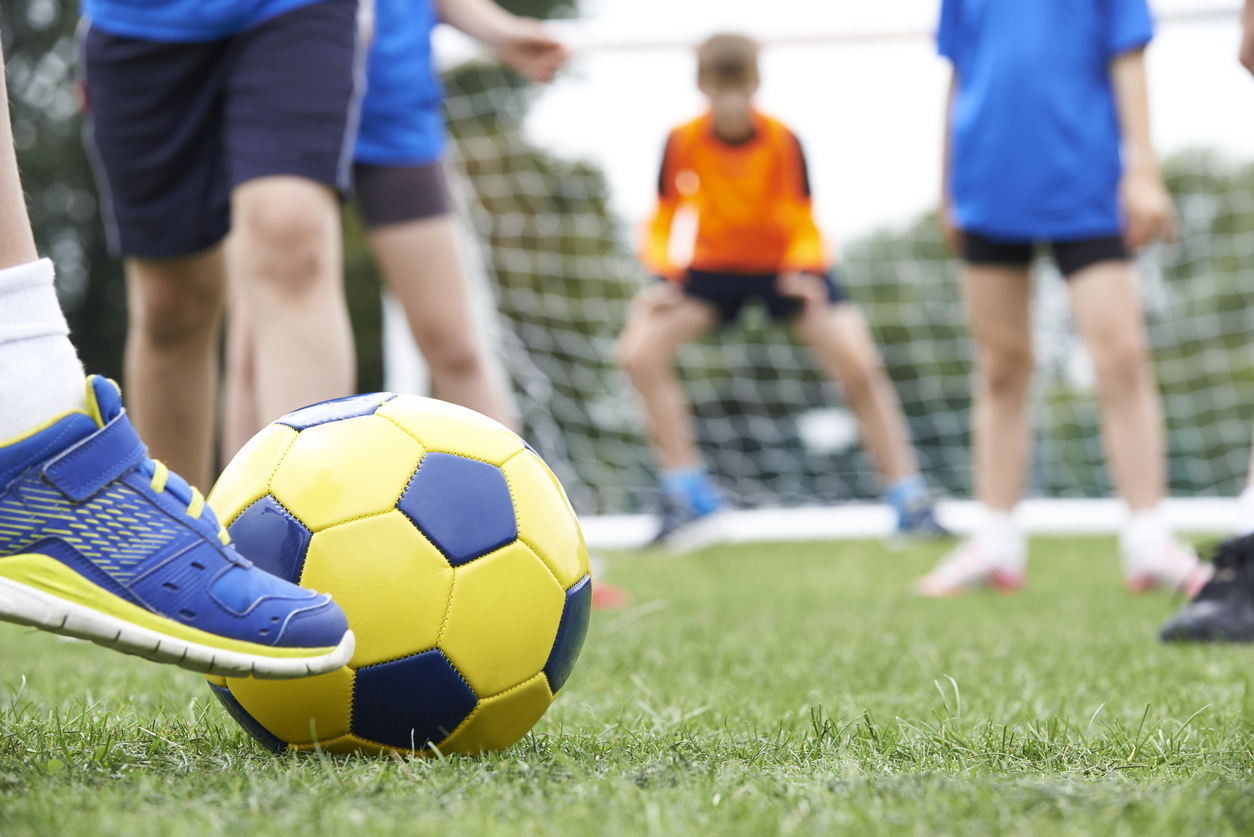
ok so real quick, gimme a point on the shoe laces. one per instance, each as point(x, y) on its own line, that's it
point(196, 507)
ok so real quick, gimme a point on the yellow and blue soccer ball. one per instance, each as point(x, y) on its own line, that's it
point(452, 549)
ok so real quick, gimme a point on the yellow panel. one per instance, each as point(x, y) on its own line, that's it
point(342, 470)
point(500, 721)
point(392, 583)
point(448, 428)
point(247, 478)
point(216, 679)
point(502, 620)
point(285, 707)
point(545, 520)
point(350, 744)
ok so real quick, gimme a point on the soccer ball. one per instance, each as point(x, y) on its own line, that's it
point(453, 551)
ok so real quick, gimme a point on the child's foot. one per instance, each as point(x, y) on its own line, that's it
point(1223, 610)
point(100, 542)
point(916, 511)
point(971, 566)
point(1169, 565)
point(688, 495)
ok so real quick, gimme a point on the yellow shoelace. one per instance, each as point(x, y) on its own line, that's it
point(160, 474)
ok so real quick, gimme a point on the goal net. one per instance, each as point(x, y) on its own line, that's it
point(559, 270)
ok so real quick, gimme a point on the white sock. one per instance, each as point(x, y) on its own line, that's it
point(40, 373)
point(1142, 538)
point(1002, 538)
point(1246, 503)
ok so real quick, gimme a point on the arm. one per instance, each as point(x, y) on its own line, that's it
point(1147, 209)
point(520, 42)
point(655, 247)
point(945, 215)
point(1247, 36)
point(806, 249)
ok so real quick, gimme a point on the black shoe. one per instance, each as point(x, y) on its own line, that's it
point(672, 517)
point(1223, 610)
point(919, 521)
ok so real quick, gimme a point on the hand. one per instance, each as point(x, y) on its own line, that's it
point(951, 234)
point(804, 286)
point(1147, 211)
point(530, 50)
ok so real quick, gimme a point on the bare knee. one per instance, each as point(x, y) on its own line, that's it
point(453, 357)
point(285, 232)
point(175, 302)
point(1122, 367)
point(1006, 371)
point(640, 361)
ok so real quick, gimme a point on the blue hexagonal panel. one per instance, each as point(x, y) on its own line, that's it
point(335, 410)
point(570, 634)
point(462, 505)
point(269, 536)
point(250, 724)
point(409, 702)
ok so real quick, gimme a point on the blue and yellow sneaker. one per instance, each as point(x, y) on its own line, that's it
point(100, 542)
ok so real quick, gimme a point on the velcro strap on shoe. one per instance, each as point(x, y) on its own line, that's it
point(97, 460)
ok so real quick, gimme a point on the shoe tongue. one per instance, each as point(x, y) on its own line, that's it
point(17, 457)
point(104, 399)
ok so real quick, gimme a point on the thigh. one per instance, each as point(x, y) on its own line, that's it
point(979, 249)
point(663, 317)
point(999, 304)
point(420, 263)
point(293, 95)
point(1106, 307)
point(154, 131)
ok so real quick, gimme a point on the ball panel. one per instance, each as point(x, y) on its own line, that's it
point(463, 506)
point(345, 469)
point(500, 721)
point(545, 522)
point(337, 409)
point(502, 619)
point(448, 428)
point(391, 582)
point(410, 702)
point(267, 534)
point(570, 634)
point(287, 708)
point(246, 478)
point(250, 724)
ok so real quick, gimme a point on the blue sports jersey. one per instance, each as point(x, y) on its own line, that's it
point(183, 21)
point(402, 121)
point(1035, 145)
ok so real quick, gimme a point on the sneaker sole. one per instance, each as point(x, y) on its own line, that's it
point(28, 605)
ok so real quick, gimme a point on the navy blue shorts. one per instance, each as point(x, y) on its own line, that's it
point(174, 127)
point(728, 292)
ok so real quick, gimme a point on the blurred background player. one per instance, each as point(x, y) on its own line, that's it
point(744, 175)
point(216, 115)
point(1223, 610)
point(96, 539)
point(1042, 96)
point(399, 182)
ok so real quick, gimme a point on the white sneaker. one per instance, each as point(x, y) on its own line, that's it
point(969, 566)
point(1171, 565)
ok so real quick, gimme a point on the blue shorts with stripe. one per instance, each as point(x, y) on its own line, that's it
point(173, 128)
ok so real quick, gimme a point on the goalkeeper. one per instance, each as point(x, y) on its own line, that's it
point(745, 177)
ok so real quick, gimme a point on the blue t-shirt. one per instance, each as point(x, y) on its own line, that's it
point(402, 118)
point(183, 21)
point(1035, 145)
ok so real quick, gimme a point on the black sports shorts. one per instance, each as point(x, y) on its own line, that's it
point(398, 194)
point(174, 127)
point(1070, 256)
point(728, 292)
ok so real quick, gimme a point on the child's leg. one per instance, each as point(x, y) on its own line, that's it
point(172, 357)
point(998, 303)
point(662, 319)
point(1107, 311)
point(240, 421)
point(842, 343)
point(420, 263)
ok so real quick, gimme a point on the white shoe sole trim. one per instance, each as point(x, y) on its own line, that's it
point(26, 605)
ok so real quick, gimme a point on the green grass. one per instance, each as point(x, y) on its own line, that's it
point(751, 690)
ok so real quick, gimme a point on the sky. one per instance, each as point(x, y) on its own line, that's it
point(869, 114)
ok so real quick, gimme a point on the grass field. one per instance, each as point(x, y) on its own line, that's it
point(750, 690)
